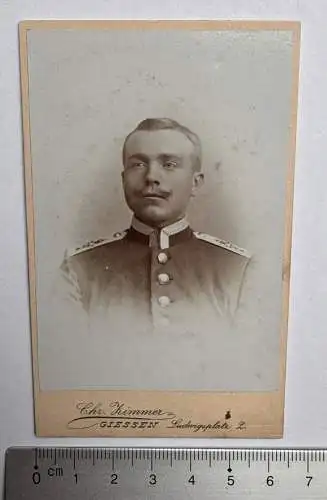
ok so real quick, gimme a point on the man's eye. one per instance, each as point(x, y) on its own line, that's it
point(170, 164)
point(138, 164)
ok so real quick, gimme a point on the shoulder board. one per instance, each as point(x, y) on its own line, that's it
point(223, 244)
point(97, 243)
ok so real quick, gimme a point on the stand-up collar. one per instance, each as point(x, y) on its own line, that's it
point(163, 238)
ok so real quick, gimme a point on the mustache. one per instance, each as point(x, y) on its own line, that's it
point(160, 193)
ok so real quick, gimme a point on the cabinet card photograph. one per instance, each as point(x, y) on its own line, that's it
point(159, 164)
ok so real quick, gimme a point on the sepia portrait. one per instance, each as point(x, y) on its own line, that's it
point(159, 163)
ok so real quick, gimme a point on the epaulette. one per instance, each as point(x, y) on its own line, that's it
point(97, 243)
point(223, 243)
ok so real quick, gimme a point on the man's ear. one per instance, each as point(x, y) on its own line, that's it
point(198, 180)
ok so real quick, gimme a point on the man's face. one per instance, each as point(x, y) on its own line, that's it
point(159, 176)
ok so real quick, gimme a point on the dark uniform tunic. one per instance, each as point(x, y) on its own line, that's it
point(173, 279)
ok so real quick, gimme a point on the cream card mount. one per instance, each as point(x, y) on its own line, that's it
point(159, 164)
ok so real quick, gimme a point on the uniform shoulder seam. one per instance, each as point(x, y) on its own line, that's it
point(228, 245)
point(97, 243)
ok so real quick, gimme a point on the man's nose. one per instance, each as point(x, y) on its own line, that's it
point(153, 172)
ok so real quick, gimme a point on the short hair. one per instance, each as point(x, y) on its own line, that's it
point(152, 124)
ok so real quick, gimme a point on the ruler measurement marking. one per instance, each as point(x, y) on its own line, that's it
point(229, 467)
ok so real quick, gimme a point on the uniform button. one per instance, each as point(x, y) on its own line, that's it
point(162, 258)
point(164, 301)
point(163, 278)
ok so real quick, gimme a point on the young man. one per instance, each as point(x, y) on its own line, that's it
point(159, 273)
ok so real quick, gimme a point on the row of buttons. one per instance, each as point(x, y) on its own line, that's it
point(163, 279)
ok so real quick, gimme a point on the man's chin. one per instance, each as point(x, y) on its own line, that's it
point(152, 216)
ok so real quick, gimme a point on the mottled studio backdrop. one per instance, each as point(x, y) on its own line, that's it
point(88, 89)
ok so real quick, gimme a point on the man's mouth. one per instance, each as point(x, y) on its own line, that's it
point(161, 196)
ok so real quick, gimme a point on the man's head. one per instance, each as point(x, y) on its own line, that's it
point(162, 170)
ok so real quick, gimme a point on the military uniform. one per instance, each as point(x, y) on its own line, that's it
point(157, 279)
point(168, 278)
